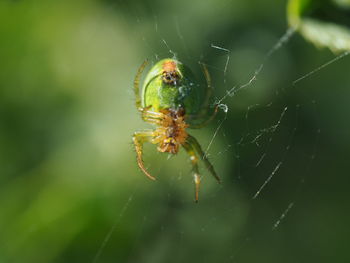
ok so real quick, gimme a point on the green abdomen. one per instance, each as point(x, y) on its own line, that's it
point(183, 93)
point(162, 96)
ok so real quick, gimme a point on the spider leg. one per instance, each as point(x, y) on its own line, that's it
point(137, 85)
point(208, 80)
point(204, 114)
point(151, 116)
point(204, 117)
point(139, 139)
point(194, 143)
point(194, 159)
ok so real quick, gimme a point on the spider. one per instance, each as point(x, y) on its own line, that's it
point(173, 101)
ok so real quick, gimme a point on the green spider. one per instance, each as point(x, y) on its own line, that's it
point(173, 101)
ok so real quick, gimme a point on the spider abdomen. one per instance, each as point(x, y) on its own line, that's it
point(171, 85)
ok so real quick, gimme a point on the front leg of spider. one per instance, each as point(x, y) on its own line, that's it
point(203, 156)
point(194, 160)
point(139, 139)
point(195, 152)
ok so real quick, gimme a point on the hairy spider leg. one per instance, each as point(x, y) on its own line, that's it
point(204, 117)
point(209, 87)
point(194, 143)
point(203, 114)
point(139, 139)
point(151, 116)
point(195, 152)
point(137, 85)
point(147, 115)
point(194, 160)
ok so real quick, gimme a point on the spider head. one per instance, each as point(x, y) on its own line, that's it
point(169, 145)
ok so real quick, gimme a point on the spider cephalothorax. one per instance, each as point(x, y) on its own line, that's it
point(172, 100)
point(171, 132)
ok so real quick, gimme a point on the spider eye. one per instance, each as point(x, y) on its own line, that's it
point(170, 77)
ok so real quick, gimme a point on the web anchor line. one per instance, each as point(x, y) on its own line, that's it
point(280, 42)
point(113, 228)
point(321, 67)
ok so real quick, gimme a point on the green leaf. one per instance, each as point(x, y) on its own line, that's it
point(325, 23)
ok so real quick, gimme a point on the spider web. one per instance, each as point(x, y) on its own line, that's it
point(69, 179)
point(270, 155)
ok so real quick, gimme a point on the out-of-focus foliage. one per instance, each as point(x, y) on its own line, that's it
point(325, 23)
point(68, 172)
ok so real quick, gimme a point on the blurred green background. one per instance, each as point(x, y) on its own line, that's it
point(70, 188)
